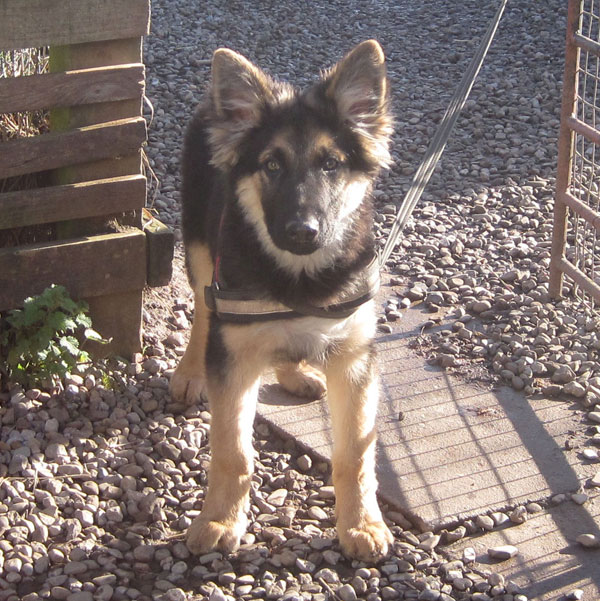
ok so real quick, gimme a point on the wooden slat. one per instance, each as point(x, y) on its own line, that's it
point(71, 88)
point(62, 149)
point(72, 201)
point(87, 267)
point(34, 23)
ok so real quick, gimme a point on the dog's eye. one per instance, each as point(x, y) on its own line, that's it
point(272, 166)
point(330, 164)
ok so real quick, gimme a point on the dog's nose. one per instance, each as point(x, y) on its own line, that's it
point(302, 231)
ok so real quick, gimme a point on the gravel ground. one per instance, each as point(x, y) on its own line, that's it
point(99, 482)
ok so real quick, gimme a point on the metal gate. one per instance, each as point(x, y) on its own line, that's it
point(575, 244)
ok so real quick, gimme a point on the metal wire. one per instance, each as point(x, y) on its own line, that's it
point(438, 143)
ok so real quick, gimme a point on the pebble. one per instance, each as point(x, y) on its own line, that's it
point(144, 553)
point(589, 540)
point(217, 595)
point(277, 498)
point(469, 555)
point(518, 515)
point(429, 542)
point(579, 498)
point(503, 552)
point(485, 521)
point(81, 596)
point(574, 389)
point(316, 513)
point(304, 463)
point(14, 564)
point(533, 507)
point(456, 534)
point(346, 593)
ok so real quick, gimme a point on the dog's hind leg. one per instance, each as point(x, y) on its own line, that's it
point(353, 394)
point(301, 379)
point(232, 392)
point(189, 380)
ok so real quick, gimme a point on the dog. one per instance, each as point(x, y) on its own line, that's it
point(277, 219)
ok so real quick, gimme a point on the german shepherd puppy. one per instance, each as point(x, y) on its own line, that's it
point(276, 200)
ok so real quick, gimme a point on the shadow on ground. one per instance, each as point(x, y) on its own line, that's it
point(450, 450)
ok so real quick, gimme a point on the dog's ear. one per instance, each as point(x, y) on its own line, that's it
point(359, 88)
point(239, 92)
point(239, 89)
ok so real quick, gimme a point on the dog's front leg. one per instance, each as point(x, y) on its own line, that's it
point(189, 380)
point(232, 390)
point(353, 395)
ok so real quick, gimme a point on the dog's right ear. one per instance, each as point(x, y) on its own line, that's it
point(239, 93)
point(239, 89)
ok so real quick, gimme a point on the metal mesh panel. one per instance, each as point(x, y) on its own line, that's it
point(582, 249)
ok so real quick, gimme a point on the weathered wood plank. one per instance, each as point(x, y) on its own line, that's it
point(33, 23)
point(72, 201)
point(71, 88)
point(160, 241)
point(87, 267)
point(62, 149)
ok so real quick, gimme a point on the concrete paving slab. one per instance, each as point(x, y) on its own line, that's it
point(550, 563)
point(459, 449)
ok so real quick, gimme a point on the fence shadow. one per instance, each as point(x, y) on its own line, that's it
point(464, 450)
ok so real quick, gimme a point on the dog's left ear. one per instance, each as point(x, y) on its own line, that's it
point(358, 86)
point(358, 82)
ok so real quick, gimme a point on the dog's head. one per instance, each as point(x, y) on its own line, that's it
point(302, 162)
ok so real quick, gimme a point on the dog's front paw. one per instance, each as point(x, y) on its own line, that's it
point(367, 542)
point(186, 388)
point(205, 535)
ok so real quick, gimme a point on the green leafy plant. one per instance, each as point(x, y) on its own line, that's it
point(40, 343)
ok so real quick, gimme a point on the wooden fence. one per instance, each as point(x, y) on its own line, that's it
point(94, 191)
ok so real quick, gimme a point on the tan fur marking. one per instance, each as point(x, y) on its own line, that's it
point(353, 407)
point(188, 382)
point(354, 194)
point(279, 142)
point(223, 519)
point(200, 264)
point(322, 144)
point(233, 404)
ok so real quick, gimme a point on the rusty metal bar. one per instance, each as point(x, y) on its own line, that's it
point(565, 151)
point(587, 131)
point(585, 212)
point(586, 44)
point(580, 278)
